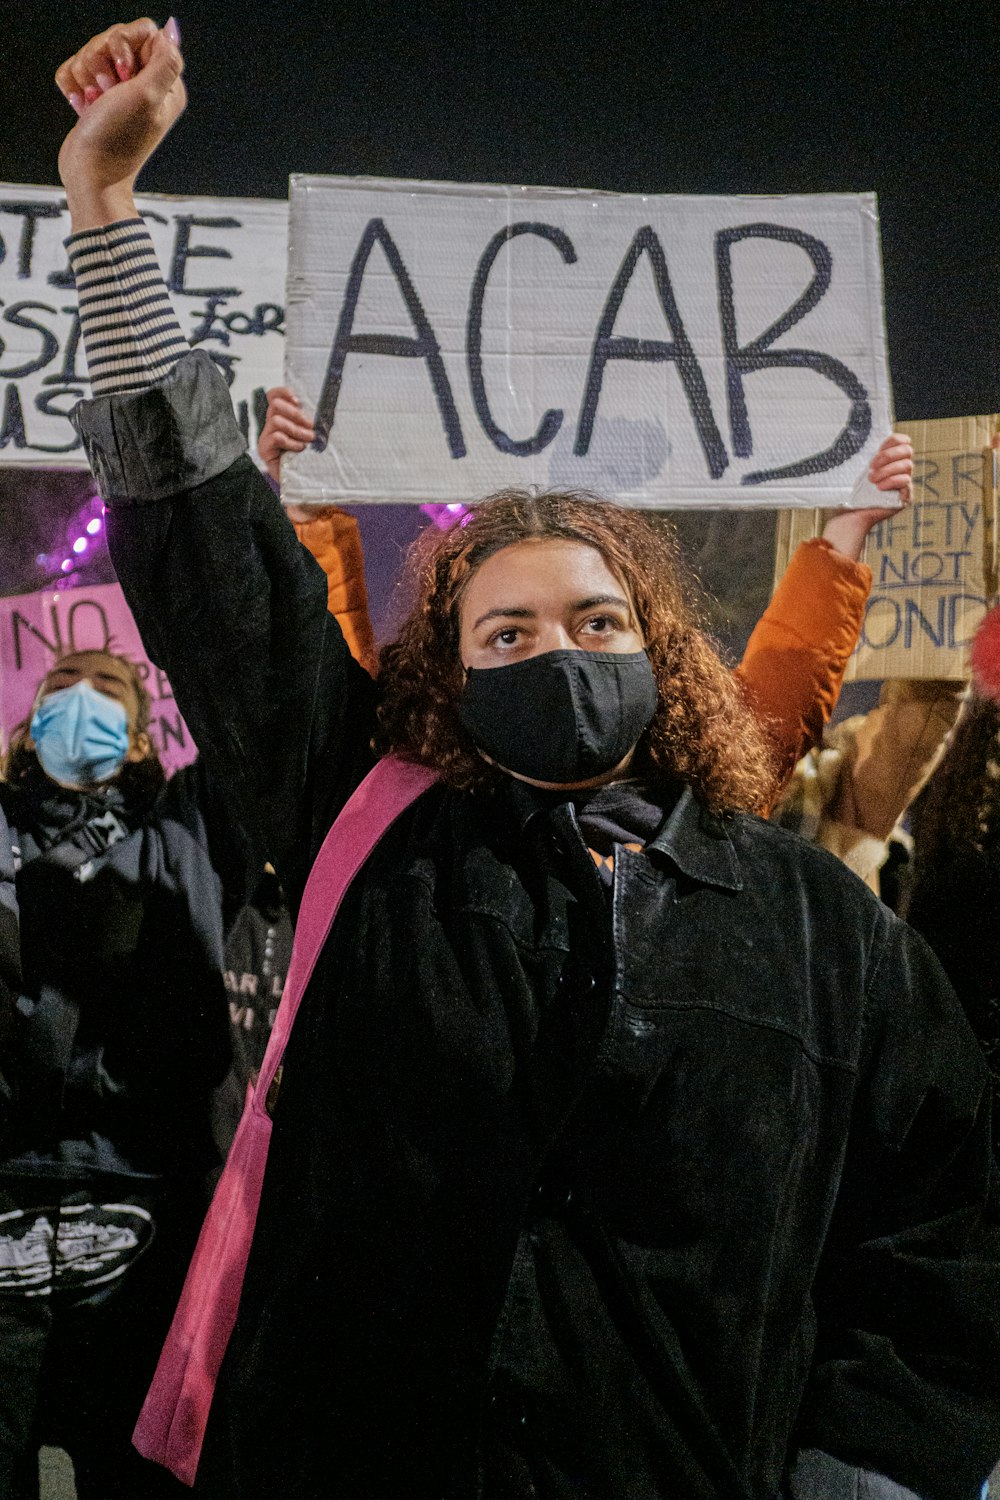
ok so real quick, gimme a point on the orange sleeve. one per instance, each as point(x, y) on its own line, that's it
point(335, 542)
point(793, 668)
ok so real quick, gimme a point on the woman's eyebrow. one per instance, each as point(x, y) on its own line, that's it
point(593, 600)
point(502, 611)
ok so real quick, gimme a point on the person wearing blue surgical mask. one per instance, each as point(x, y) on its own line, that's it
point(113, 1035)
point(84, 725)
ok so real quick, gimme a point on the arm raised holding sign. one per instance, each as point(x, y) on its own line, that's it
point(891, 470)
point(794, 664)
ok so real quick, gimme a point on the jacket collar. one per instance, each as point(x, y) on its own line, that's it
point(690, 836)
point(698, 843)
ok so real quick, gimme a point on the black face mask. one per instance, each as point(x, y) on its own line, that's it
point(562, 717)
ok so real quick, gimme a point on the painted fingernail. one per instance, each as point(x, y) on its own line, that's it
point(173, 32)
point(104, 82)
point(122, 69)
point(90, 93)
point(76, 102)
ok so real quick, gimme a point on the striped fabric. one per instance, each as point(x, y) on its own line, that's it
point(130, 331)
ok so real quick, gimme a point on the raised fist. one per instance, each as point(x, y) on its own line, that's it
point(126, 87)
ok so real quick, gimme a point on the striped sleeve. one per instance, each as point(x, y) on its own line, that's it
point(130, 332)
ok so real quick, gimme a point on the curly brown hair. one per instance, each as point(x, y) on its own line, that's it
point(703, 732)
point(139, 779)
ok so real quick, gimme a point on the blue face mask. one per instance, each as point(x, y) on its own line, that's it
point(81, 736)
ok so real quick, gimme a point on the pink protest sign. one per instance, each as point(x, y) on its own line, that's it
point(36, 629)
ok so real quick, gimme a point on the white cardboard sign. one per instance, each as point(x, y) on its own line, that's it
point(224, 262)
point(669, 351)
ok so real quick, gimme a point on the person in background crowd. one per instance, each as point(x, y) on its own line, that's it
point(852, 792)
point(849, 793)
point(955, 895)
point(113, 1028)
point(625, 1145)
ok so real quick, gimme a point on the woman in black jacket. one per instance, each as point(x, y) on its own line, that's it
point(626, 1146)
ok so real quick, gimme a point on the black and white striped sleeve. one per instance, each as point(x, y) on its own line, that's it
point(130, 332)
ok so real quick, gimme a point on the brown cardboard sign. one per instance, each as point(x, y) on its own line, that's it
point(934, 569)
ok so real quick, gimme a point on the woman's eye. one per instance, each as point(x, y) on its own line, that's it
point(507, 637)
point(602, 624)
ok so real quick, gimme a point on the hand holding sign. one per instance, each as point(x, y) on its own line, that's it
point(891, 470)
point(126, 86)
point(892, 467)
point(286, 430)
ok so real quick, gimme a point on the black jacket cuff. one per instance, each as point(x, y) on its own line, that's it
point(175, 435)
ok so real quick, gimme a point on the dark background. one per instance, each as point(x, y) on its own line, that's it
point(637, 97)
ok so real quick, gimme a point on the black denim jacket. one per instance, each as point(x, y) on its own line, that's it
point(562, 1201)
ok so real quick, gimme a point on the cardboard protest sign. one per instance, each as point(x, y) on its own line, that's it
point(934, 573)
point(669, 351)
point(36, 629)
point(224, 262)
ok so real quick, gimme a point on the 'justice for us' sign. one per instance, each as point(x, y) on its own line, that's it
point(223, 260)
point(669, 351)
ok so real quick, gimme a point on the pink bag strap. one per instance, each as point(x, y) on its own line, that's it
point(387, 790)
